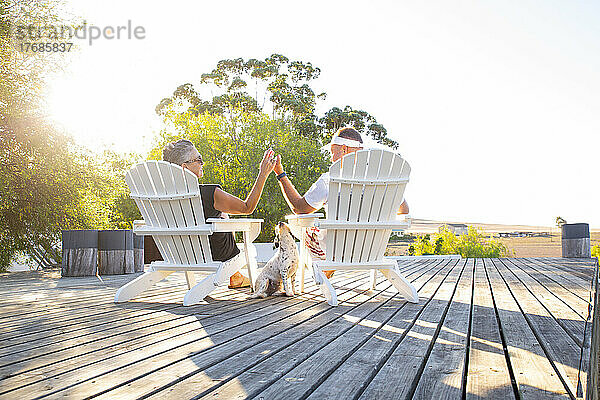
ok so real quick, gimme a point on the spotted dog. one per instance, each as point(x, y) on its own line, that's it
point(281, 268)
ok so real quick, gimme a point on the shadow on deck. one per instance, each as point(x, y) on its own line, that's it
point(484, 328)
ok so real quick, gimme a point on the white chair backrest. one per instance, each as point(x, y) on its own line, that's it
point(365, 186)
point(168, 196)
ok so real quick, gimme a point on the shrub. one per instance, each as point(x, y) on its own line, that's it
point(596, 252)
point(402, 237)
point(472, 245)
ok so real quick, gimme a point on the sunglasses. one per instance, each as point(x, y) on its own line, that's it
point(197, 159)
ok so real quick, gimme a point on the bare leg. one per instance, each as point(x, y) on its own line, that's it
point(238, 280)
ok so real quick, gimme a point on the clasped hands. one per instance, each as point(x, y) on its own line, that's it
point(271, 162)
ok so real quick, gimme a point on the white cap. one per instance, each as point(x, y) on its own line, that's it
point(342, 141)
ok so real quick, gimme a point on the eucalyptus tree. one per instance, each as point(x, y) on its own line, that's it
point(276, 86)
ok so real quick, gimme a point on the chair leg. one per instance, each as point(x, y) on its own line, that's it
point(250, 260)
point(302, 271)
point(139, 284)
point(401, 284)
point(326, 287)
point(199, 291)
point(302, 261)
point(373, 279)
point(190, 278)
point(211, 282)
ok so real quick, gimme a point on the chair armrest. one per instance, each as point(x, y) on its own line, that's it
point(325, 224)
point(303, 220)
point(138, 222)
point(188, 230)
point(407, 219)
point(298, 222)
point(250, 225)
point(233, 225)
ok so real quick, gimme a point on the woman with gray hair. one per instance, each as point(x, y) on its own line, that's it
point(216, 202)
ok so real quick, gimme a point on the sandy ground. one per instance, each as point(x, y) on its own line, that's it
point(541, 247)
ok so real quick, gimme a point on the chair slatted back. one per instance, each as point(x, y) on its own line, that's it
point(365, 186)
point(175, 202)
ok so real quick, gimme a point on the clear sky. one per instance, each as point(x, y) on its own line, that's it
point(494, 104)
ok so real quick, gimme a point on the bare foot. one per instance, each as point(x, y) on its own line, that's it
point(238, 280)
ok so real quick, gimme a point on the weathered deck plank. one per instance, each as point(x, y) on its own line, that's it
point(205, 337)
point(572, 321)
point(189, 372)
point(54, 309)
point(534, 373)
point(141, 347)
point(558, 347)
point(220, 343)
point(442, 375)
point(200, 375)
point(575, 283)
point(488, 375)
point(101, 327)
point(319, 354)
point(65, 338)
point(406, 359)
point(573, 266)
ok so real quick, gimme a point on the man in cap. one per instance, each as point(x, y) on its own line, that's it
point(345, 141)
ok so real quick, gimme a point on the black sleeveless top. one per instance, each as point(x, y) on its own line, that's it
point(222, 244)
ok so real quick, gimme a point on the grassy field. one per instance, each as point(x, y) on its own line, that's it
point(517, 247)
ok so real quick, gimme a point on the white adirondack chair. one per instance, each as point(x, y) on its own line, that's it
point(169, 200)
point(365, 191)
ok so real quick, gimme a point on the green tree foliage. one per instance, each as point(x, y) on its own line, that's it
point(471, 245)
point(232, 149)
point(38, 183)
point(337, 118)
point(37, 187)
point(276, 86)
point(103, 199)
point(241, 108)
point(596, 252)
point(47, 183)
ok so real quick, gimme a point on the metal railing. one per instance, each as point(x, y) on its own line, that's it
point(594, 338)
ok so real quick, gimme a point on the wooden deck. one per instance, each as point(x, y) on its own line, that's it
point(484, 328)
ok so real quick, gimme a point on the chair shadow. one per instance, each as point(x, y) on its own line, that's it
point(215, 360)
point(230, 331)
